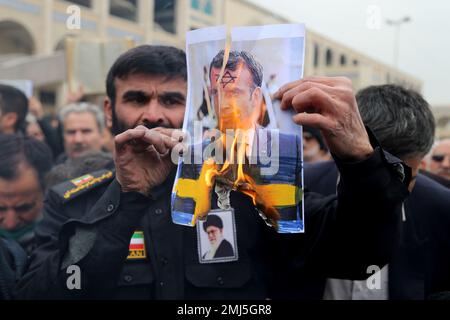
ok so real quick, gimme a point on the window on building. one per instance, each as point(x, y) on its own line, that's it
point(125, 9)
point(208, 7)
point(205, 6)
point(47, 97)
point(84, 3)
point(343, 60)
point(329, 57)
point(15, 39)
point(195, 4)
point(355, 62)
point(165, 16)
point(316, 55)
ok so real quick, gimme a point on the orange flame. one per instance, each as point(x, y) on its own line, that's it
point(230, 118)
point(266, 198)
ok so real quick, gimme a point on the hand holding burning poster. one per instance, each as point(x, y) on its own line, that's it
point(242, 140)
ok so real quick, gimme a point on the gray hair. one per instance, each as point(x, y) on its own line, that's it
point(31, 118)
point(400, 118)
point(82, 107)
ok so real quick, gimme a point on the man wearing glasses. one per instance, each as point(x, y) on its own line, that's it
point(440, 159)
point(23, 164)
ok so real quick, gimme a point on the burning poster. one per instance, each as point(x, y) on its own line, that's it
point(238, 138)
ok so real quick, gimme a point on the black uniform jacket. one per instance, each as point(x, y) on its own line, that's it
point(12, 265)
point(420, 268)
point(91, 228)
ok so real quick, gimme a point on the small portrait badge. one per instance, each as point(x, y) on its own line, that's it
point(216, 237)
point(137, 246)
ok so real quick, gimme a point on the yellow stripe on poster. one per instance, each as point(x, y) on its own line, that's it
point(282, 195)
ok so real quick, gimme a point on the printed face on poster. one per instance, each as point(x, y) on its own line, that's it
point(261, 60)
point(230, 88)
point(217, 237)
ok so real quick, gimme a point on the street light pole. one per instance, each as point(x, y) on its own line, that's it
point(397, 24)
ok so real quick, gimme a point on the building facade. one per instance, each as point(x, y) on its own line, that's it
point(442, 116)
point(32, 33)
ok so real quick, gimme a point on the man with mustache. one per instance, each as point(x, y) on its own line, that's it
point(116, 228)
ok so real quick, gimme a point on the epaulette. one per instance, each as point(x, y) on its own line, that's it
point(73, 188)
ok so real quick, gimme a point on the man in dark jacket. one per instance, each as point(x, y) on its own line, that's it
point(24, 163)
point(115, 228)
point(12, 265)
point(403, 122)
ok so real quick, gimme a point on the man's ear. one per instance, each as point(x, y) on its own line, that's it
point(107, 108)
point(9, 121)
point(257, 104)
point(424, 163)
point(257, 97)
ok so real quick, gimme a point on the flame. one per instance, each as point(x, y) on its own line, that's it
point(230, 118)
point(266, 198)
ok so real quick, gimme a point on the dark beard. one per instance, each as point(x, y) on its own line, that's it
point(117, 126)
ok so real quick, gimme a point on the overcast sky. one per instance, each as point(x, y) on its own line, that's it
point(424, 41)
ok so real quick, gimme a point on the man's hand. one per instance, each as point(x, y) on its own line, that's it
point(143, 158)
point(329, 105)
point(74, 97)
point(35, 107)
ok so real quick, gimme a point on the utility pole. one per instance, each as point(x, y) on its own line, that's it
point(397, 24)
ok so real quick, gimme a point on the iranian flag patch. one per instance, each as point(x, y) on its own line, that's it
point(82, 180)
point(137, 246)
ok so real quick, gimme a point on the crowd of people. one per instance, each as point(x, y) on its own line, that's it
point(90, 185)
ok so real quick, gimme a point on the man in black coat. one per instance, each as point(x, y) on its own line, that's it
point(24, 162)
point(420, 267)
point(109, 234)
point(12, 265)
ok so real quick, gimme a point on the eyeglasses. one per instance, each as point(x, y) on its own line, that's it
point(439, 157)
